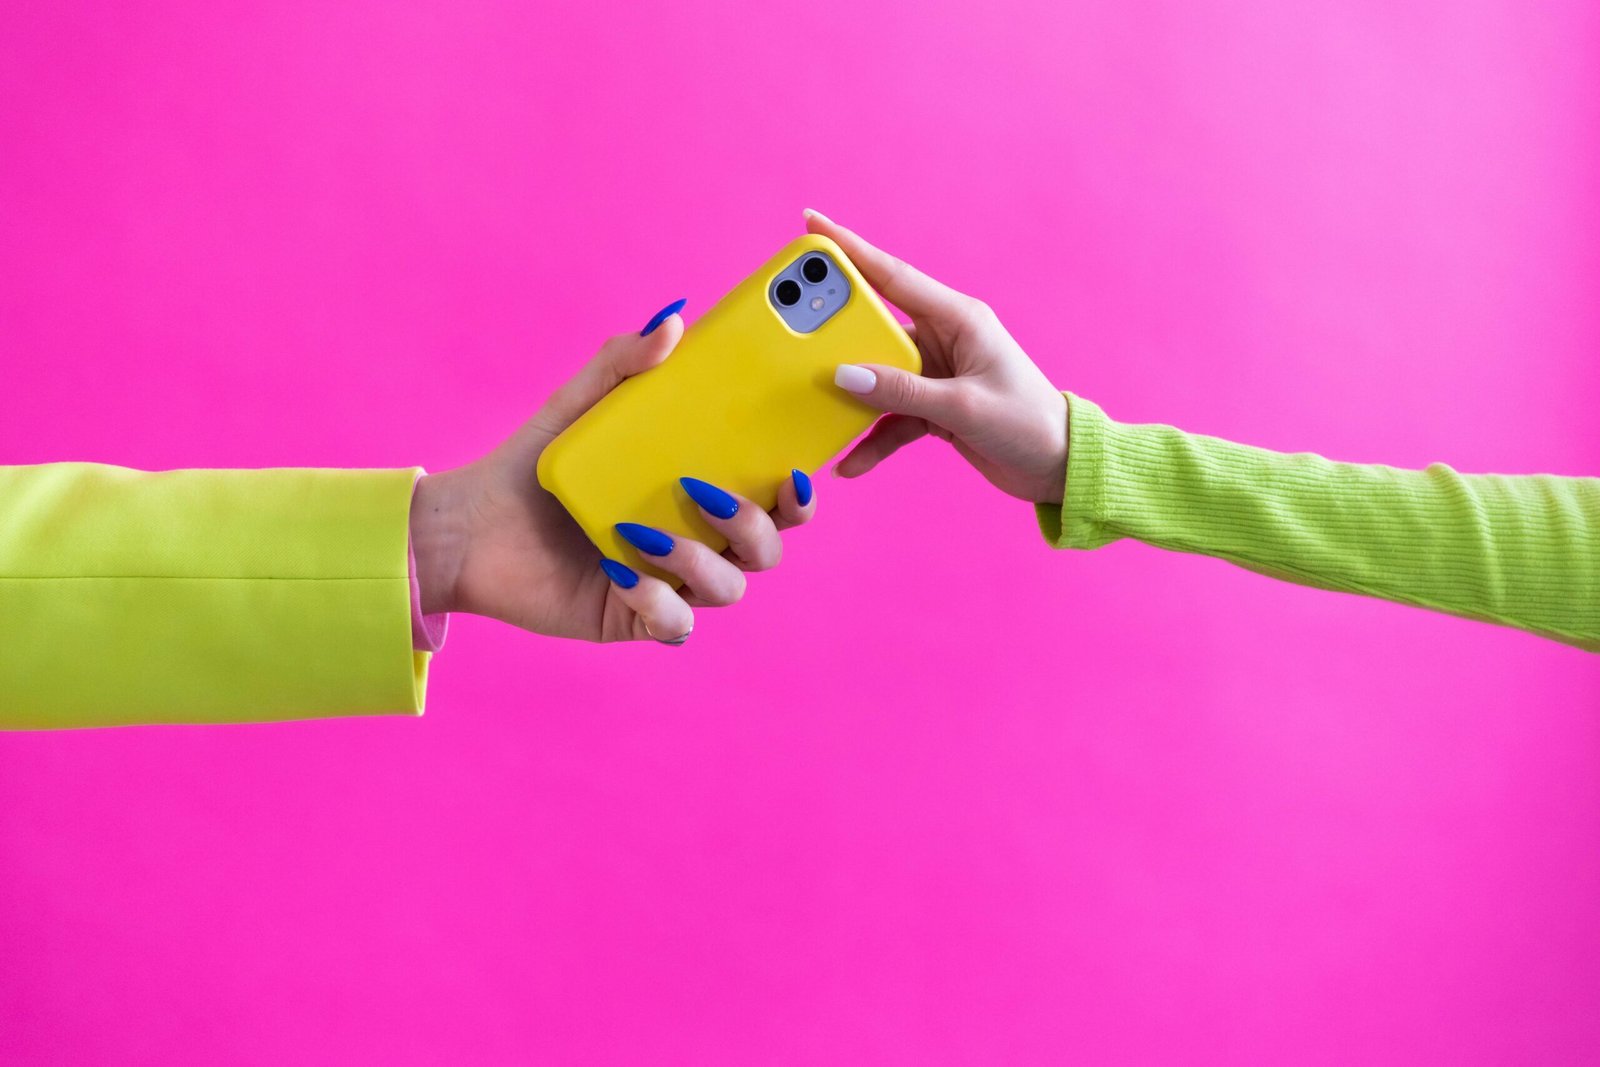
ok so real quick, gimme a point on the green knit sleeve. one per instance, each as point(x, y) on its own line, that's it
point(1522, 550)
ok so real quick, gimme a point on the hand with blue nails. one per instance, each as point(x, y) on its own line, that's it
point(711, 579)
point(978, 388)
point(490, 541)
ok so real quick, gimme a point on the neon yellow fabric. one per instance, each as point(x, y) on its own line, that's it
point(1522, 550)
point(203, 595)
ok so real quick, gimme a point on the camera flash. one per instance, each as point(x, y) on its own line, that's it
point(816, 303)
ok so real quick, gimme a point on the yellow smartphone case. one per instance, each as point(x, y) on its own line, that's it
point(741, 401)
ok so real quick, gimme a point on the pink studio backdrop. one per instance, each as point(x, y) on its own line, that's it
point(934, 793)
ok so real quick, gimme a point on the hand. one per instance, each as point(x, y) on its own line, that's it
point(979, 389)
point(490, 541)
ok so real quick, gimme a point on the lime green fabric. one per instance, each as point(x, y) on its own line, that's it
point(1522, 551)
point(203, 595)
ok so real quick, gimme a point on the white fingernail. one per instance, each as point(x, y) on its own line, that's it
point(854, 379)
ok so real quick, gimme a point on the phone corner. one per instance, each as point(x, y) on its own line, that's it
point(546, 469)
point(810, 242)
point(913, 358)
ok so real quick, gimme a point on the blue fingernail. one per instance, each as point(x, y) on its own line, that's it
point(662, 316)
point(646, 539)
point(708, 496)
point(619, 574)
point(802, 486)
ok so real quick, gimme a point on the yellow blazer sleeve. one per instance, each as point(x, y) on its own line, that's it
point(204, 596)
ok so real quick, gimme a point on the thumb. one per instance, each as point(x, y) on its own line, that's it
point(940, 401)
point(620, 358)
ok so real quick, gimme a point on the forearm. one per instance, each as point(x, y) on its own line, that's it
point(1523, 551)
point(203, 596)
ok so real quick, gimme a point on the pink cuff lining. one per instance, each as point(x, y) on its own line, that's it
point(427, 631)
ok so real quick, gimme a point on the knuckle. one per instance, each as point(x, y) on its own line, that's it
point(613, 347)
point(907, 390)
point(606, 368)
point(693, 567)
point(688, 557)
point(962, 408)
point(707, 575)
point(705, 572)
point(764, 555)
point(979, 313)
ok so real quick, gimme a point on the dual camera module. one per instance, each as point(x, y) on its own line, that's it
point(813, 269)
point(809, 291)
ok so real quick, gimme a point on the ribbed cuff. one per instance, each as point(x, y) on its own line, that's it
point(1079, 521)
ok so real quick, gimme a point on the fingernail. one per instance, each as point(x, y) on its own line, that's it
point(812, 212)
point(623, 576)
point(646, 539)
point(802, 486)
point(662, 316)
point(854, 379)
point(708, 496)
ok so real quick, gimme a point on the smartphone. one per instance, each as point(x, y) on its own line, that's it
point(746, 397)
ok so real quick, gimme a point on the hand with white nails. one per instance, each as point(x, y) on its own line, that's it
point(978, 390)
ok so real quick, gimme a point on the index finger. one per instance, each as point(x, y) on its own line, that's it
point(905, 286)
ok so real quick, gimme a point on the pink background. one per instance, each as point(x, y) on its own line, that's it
point(934, 793)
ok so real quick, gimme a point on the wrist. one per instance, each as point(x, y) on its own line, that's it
point(1052, 485)
point(438, 540)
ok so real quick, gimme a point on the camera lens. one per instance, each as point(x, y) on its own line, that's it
point(814, 269)
point(788, 292)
